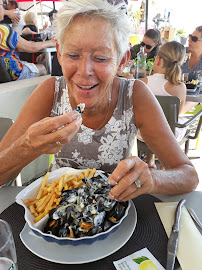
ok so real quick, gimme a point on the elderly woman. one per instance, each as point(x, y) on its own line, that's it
point(30, 23)
point(193, 65)
point(92, 48)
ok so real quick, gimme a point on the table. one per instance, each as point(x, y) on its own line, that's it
point(48, 58)
point(148, 233)
point(197, 97)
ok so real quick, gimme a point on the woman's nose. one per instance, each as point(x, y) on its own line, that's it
point(85, 67)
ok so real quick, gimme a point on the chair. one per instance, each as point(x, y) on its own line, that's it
point(170, 106)
point(4, 76)
point(194, 112)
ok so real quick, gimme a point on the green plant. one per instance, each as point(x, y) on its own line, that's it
point(150, 64)
point(180, 33)
point(135, 19)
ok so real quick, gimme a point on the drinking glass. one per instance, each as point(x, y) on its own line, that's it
point(8, 257)
point(186, 77)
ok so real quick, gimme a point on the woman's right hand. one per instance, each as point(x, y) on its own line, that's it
point(42, 137)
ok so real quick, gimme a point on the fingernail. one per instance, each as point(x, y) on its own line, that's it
point(76, 115)
point(111, 196)
point(112, 182)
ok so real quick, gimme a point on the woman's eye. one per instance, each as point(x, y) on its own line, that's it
point(73, 56)
point(101, 59)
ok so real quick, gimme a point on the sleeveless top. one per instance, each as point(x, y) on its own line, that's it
point(101, 149)
point(156, 84)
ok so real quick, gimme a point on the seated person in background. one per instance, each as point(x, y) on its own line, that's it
point(48, 31)
point(8, 16)
point(166, 81)
point(30, 24)
point(90, 52)
point(10, 41)
point(151, 42)
point(19, 25)
point(193, 64)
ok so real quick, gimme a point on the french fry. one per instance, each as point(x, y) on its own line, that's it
point(92, 172)
point(86, 173)
point(48, 195)
point(43, 185)
point(42, 206)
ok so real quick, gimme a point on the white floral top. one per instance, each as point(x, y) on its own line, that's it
point(101, 149)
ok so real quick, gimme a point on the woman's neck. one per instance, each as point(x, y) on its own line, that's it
point(194, 58)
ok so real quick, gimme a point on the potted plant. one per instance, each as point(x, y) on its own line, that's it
point(135, 16)
point(182, 36)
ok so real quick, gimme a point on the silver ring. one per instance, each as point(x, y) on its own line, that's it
point(138, 184)
point(59, 143)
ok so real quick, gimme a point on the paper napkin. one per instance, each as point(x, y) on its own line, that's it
point(189, 251)
point(140, 260)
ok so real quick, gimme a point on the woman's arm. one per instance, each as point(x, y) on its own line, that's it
point(12, 15)
point(32, 47)
point(35, 133)
point(179, 175)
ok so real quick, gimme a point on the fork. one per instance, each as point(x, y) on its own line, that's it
point(194, 217)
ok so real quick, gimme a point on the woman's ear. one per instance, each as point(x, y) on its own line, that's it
point(158, 60)
point(124, 62)
point(58, 52)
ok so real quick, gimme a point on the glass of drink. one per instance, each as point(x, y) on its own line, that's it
point(8, 257)
point(186, 77)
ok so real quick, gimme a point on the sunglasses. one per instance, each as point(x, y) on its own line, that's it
point(147, 46)
point(194, 38)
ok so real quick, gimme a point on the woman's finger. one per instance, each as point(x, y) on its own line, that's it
point(126, 184)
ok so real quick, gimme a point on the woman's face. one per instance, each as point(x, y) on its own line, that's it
point(195, 46)
point(89, 60)
point(150, 42)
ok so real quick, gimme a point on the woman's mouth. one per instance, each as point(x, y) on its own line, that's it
point(86, 87)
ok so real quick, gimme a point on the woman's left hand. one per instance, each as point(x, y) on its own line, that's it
point(124, 176)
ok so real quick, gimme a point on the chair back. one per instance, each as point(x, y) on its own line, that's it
point(4, 76)
point(170, 106)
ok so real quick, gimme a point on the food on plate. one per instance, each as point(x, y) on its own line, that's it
point(193, 82)
point(80, 108)
point(86, 210)
point(48, 195)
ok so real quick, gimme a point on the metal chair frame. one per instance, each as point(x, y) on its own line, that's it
point(170, 106)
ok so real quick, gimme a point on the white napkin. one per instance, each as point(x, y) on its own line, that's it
point(141, 259)
point(189, 251)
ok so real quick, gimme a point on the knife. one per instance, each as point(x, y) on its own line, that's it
point(173, 239)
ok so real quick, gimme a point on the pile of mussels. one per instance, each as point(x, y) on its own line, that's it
point(85, 211)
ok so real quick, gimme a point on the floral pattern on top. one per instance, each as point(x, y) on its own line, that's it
point(101, 149)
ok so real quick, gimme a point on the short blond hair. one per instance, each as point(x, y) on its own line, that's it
point(29, 17)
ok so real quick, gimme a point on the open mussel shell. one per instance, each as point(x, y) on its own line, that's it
point(86, 211)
